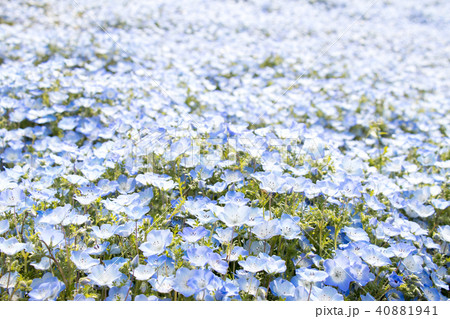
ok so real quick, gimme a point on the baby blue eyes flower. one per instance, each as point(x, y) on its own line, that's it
point(9, 280)
point(282, 288)
point(311, 275)
point(289, 226)
point(57, 215)
point(337, 276)
point(273, 264)
point(267, 229)
point(248, 284)
point(234, 215)
point(395, 280)
point(119, 294)
point(326, 294)
point(181, 285)
point(198, 256)
point(163, 284)
point(252, 264)
point(444, 232)
point(105, 275)
point(375, 258)
point(144, 272)
point(44, 264)
point(356, 234)
point(4, 226)
point(105, 231)
point(11, 246)
point(401, 250)
point(12, 197)
point(97, 249)
point(46, 288)
point(157, 241)
point(83, 261)
point(192, 235)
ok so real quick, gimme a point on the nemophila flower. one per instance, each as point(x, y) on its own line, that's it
point(338, 274)
point(394, 295)
point(440, 203)
point(234, 215)
point(88, 195)
point(119, 261)
point(45, 288)
point(9, 280)
point(255, 217)
point(163, 284)
point(282, 288)
point(267, 229)
point(325, 294)
point(311, 275)
point(356, 234)
point(216, 262)
point(57, 215)
point(235, 253)
point(416, 209)
point(373, 202)
point(300, 294)
point(105, 231)
point(271, 182)
point(51, 237)
point(350, 189)
point(43, 264)
point(225, 235)
point(156, 243)
point(395, 280)
point(192, 235)
point(82, 260)
point(217, 187)
point(12, 197)
point(413, 263)
point(444, 232)
point(375, 257)
point(273, 264)
point(136, 212)
point(289, 226)
point(252, 264)
point(203, 279)
point(119, 294)
point(97, 249)
point(432, 294)
point(81, 297)
point(4, 226)
point(125, 185)
point(11, 246)
point(126, 229)
point(401, 250)
point(198, 256)
point(257, 247)
point(233, 197)
point(248, 283)
point(181, 285)
point(230, 176)
point(360, 273)
point(105, 275)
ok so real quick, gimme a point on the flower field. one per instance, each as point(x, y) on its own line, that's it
point(224, 150)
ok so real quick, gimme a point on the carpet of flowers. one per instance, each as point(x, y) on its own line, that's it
point(224, 150)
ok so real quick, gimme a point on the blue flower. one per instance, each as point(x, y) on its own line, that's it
point(282, 288)
point(83, 261)
point(105, 275)
point(156, 243)
point(119, 294)
point(395, 280)
point(192, 235)
point(46, 288)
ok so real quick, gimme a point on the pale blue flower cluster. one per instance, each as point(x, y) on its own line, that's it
point(224, 150)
